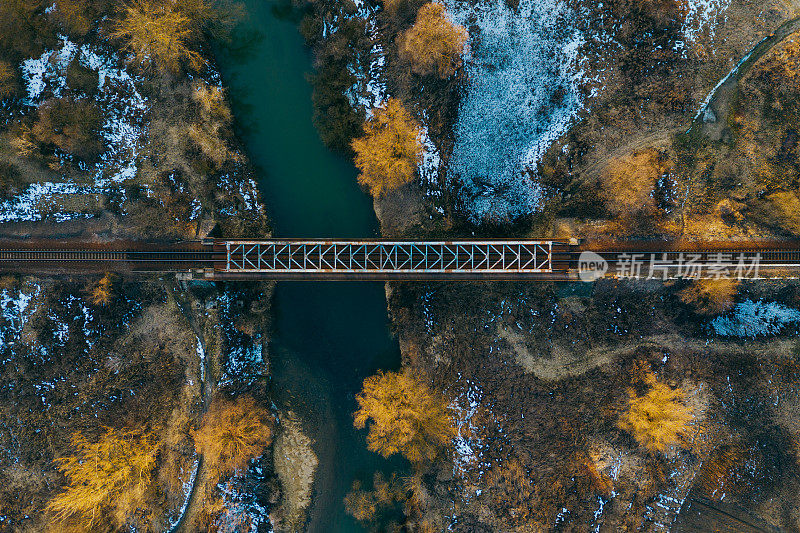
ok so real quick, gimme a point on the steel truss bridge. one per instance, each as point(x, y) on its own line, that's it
point(221, 259)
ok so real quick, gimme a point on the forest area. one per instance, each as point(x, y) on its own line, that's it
point(607, 407)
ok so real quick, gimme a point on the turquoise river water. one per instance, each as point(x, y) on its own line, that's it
point(327, 336)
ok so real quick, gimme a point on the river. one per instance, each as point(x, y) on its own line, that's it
point(327, 336)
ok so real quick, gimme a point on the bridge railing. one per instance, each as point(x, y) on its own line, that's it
point(464, 257)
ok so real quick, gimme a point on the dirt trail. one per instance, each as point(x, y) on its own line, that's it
point(194, 504)
point(651, 140)
point(722, 96)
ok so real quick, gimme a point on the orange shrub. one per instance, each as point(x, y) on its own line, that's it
point(434, 44)
point(657, 419)
point(710, 296)
point(406, 416)
point(390, 150)
point(232, 433)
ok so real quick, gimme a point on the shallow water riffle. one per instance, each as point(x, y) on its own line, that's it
point(327, 336)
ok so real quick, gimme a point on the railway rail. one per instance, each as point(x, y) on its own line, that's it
point(219, 259)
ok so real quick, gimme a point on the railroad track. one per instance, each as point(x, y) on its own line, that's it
point(137, 256)
point(214, 259)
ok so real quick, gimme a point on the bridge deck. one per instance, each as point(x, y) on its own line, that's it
point(362, 259)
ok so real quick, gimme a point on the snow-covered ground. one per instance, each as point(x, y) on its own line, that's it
point(524, 74)
point(751, 319)
point(467, 443)
point(123, 128)
point(15, 311)
point(120, 102)
point(39, 198)
point(701, 16)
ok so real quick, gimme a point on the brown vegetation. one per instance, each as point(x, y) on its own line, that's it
point(108, 479)
point(23, 31)
point(158, 35)
point(75, 16)
point(434, 44)
point(82, 79)
point(658, 418)
point(710, 296)
point(232, 433)
point(406, 416)
point(381, 508)
point(390, 150)
point(628, 182)
point(512, 489)
point(71, 125)
point(9, 179)
point(208, 133)
point(8, 80)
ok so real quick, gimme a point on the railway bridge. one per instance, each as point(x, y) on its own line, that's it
point(360, 259)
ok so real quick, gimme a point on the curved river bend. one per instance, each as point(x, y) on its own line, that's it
point(327, 336)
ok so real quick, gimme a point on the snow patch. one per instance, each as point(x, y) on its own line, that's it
point(201, 354)
point(187, 492)
point(467, 443)
point(523, 94)
point(751, 319)
point(122, 106)
point(39, 199)
point(369, 89)
point(701, 15)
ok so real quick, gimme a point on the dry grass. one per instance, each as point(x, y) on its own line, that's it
point(710, 296)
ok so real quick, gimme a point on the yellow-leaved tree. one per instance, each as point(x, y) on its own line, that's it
point(710, 296)
point(434, 44)
point(390, 150)
point(232, 433)
point(406, 416)
point(658, 418)
point(159, 35)
point(108, 480)
point(103, 292)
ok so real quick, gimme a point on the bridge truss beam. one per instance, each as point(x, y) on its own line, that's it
point(388, 259)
